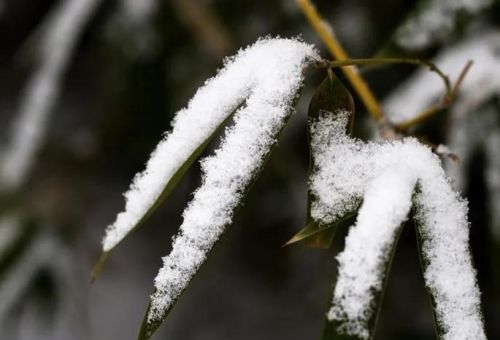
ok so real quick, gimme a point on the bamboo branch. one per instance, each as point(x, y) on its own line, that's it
point(446, 101)
point(378, 61)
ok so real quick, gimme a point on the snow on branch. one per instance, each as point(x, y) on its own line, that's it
point(270, 72)
point(57, 45)
point(384, 176)
point(434, 20)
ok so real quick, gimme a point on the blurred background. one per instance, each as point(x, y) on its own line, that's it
point(88, 87)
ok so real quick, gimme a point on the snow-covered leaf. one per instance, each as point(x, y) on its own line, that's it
point(330, 96)
point(250, 72)
point(168, 186)
point(267, 77)
point(384, 176)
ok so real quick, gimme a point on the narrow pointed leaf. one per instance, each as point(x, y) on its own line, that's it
point(330, 331)
point(309, 235)
point(168, 188)
point(365, 262)
point(330, 96)
point(315, 236)
point(228, 174)
point(148, 326)
point(443, 242)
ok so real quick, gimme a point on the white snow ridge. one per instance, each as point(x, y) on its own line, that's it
point(385, 177)
point(267, 77)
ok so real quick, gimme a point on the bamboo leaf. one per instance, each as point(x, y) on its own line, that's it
point(316, 236)
point(330, 96)
point(148, 327)
point(423, 263)
point(330, 331)
point(169, 187)
point(312, 235)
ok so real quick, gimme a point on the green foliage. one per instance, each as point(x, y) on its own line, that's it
point(330, 96)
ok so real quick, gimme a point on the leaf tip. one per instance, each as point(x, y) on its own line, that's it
point(96, 270)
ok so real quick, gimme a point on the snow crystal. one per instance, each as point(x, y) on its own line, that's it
point(273, 70)
point(29, 128)
point(435, 20)
point(423, 88)
point(384, 176)
point(270, 72)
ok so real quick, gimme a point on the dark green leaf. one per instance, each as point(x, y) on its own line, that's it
point(330, 96)
point(315, 236)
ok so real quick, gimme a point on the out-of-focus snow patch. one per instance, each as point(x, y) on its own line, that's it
point(44, 253)
point(132, 27)
point(434, 20)
point(423, 88)
point(37, 101)
point(492, 148)
point(9, 232)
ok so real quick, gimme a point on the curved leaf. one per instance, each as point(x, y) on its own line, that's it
point(168, 188)
point(275, 76)
point(316, 236)
point(330, 96)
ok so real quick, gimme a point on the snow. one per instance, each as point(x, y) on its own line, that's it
point(45, 252)
point(469, 126)
point(134, 19)
point(270, 72)
point(38, 99)
point(9, 232)
point(424, 88)
point(492, 146)
point(384, 176)
point(369, 246)
point(273, 70)
point(435, 20)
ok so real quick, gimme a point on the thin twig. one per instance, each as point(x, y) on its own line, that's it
point(413, 61)
point(445, 102)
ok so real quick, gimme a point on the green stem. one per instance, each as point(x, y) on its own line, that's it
point(378, 61)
